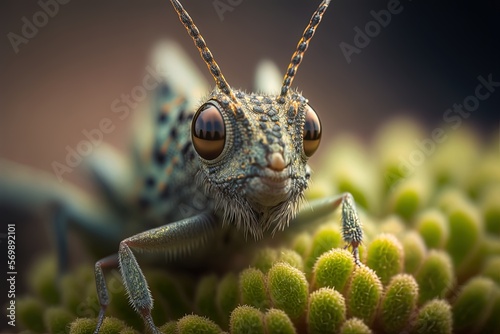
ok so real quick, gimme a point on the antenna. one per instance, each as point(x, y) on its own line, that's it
point(205, 53)
point(301, 49)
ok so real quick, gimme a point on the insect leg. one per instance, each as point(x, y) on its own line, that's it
point(27, 191)
point(60, 233)
point(173, 238)
point(102, 291)
point(352, 231)
point(94, 226)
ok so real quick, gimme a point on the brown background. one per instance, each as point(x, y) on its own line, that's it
point(91, 52)
point(65, 78)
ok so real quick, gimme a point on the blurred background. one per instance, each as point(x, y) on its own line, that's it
point(64, 79)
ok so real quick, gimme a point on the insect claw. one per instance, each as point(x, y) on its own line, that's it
point(146, 315)
point(355, 253)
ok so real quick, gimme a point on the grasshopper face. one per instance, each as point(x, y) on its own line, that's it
point(254, 153)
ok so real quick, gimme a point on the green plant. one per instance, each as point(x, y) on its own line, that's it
point(431, 257)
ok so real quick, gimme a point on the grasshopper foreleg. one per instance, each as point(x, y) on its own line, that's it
point(174, 237)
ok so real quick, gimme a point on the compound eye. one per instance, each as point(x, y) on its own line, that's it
point(208, 132)
point(312, 132)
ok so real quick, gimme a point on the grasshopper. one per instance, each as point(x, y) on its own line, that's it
point(233, 168)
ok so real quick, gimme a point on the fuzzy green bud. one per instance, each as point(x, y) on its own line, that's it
point(169, 328)
point(302, 244)
point(333, 269)
point(473, 304)
point(465, 234)
point(83, 326)
point(264, 259)
point(355, 326)
point(394, 153)
point(485, 173)
point(433, 318)
point(492, 324)
point(385, 256)
point(288, 289)
point(193, 324)
point(110, 325)
point(433, 227)
point(492, 269)
point(292, 258)
point(29, 313)
point(253, 288)
point(325, 238)
point(42, 280)
point(277, 322)
point(436, 277)
point(490, 209)
point(415, 252)
point(409, 196)
point(326, 311)
point(391, 225)
point(398, 303)
point(363, 294)
point(246, 319)
point(57, 319)
point(227, 297)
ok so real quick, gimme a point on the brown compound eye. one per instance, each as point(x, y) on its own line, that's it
point(312, 132)
point(208, 132)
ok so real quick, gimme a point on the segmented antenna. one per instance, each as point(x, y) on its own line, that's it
point(205, 53)
point(301, 49)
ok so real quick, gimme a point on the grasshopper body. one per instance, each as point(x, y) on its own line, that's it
point(232, 170)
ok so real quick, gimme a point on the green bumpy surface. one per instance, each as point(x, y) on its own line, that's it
point(430, 256)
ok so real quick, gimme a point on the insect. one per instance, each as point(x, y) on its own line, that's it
point(233, 169)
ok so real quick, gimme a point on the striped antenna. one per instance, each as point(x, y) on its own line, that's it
point(205, 53)
point(301, 49)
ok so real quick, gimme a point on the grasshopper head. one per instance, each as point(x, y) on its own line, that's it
point(254, 148)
